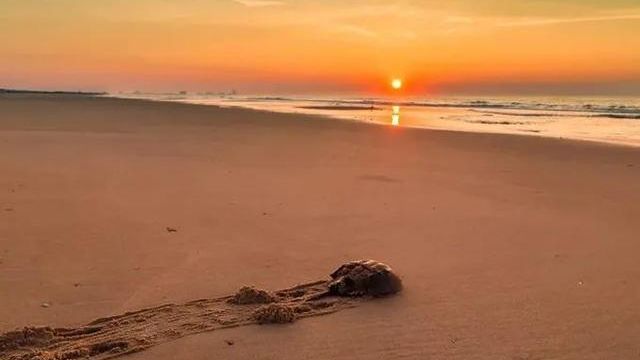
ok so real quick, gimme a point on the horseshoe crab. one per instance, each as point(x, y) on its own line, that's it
point(364, 277)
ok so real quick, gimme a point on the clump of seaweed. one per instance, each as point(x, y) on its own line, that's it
point(274, 314)
point(250, 295)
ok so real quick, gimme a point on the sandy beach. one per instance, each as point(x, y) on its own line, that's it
point(509, 247)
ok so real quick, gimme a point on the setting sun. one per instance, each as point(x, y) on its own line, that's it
point(396, 84)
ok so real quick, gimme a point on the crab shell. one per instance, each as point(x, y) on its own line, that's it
point(364, 277)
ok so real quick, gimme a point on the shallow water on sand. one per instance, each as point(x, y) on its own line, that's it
point(610, 120)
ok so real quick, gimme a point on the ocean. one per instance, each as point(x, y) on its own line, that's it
point(614, 120)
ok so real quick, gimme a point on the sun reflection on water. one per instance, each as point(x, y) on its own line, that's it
point(395, 115)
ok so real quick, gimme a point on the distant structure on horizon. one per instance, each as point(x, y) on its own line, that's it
point(231, 92)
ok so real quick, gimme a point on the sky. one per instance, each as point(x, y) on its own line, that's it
point(540, 47)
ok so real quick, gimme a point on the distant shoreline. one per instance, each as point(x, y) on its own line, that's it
point(54, 92)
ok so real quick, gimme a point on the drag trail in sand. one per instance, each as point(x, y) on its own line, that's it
point(135, 331)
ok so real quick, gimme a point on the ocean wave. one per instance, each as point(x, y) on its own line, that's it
point(555, 107)
point(619, 116)
point(613, 108)
point(520, 113)
point(606, 108)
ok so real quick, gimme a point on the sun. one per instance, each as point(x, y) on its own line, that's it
point(396, 84)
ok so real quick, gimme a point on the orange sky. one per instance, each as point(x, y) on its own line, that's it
point(288, 46)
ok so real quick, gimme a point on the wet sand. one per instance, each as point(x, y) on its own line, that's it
point(510, 247)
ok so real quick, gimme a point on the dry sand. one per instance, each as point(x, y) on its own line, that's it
point(509, 247)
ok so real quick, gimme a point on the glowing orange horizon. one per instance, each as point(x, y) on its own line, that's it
point(277, 47)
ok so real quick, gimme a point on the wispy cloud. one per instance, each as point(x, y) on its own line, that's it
point(259, 3)
point(458, 20)
point(356, 30)
point(366, 33)
point(454, 24)
point(555, 21)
